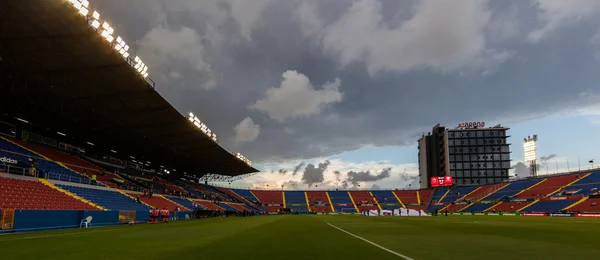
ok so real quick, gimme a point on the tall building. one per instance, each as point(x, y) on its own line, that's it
point(470, 153)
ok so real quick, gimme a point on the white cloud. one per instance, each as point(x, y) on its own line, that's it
point(162, 46)
point(401, 175)
point(246, 131)
point(442, 34)
point(554, 14)
point(297, 97)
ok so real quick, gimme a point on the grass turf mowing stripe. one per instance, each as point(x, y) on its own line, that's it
point(380, 247)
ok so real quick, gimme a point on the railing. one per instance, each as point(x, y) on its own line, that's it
point(20, 171)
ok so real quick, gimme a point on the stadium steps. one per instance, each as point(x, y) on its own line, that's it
point(329, 200)
point(180, 206)
point(443, 196)
point(570, 183)
point(236, 206)
point(131, 197)
point(528, 205)
point(207, 204)
point(49, 184)
point(307, 203)
point(485, 196)
point(283, 198)
point(353, 203)
point(460, 199)
point(233, 194)
point(530, 187)
point(375, 199)
point(582, 200)
point(399, 200)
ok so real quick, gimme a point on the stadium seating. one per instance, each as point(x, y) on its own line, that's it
point(587, 206)
point(341, 201)
point(318, 201)
point(106, 198)
point(227, 206)
point(512, 189)
point(246, 194)
point(364, 200)
point(239, 198)
point(410, 197)
point(238, 207)
point(11, 150)
point(513, 206)
point(207, 204)
point(548, 186)
point(477, 207)
point(386, 199)
point(157, 201)
point(272, 200)
point(30, 194)
point(584, 186)
point(183, 202)
point(438, 193)
point(457, 193)
point(549, 206)
point(296, 201)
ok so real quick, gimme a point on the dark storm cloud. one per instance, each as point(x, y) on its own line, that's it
point(366, 176)
point(298, 168)
point(547, 158)
point(314, 174)
point(245, 50)
point(282, 171)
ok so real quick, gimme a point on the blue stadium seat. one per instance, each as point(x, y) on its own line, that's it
point(438, 193)
point(105, 198)
point(549, 206)
point(183, 202)
point(512, 189)
point(386, 199)
point(296, 201)
point(457, 193)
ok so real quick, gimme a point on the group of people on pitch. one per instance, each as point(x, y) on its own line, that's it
point(156, 213)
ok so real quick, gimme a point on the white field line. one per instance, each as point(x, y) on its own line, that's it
point(380, 247)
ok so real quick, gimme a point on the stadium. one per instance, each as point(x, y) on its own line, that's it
point(95, 164)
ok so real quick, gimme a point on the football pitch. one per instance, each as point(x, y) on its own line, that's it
point(320, 237)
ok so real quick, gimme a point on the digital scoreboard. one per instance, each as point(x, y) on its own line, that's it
point(441, 181)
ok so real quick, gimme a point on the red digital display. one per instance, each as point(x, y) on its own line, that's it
point(441, 181)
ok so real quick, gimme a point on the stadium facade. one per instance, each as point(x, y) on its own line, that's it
point(470, 153)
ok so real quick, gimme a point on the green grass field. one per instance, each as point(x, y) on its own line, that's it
point(310, 237)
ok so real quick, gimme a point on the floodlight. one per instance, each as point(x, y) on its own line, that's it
point(191, 115)
point(123, 43)
point(118, 47)
point(83, 11)
point(96, 24)
point(111, 30)
point(137, 59)
point(125, 55)
point(85, 3)
point(105, 25)
point(104, 34)
point(145, 75)
point(110, 38)
point(119, 40)
point(96, 15)
point(77, 5)
point(122, 51)
point(126, 47)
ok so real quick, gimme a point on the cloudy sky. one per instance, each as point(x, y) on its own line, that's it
point(334, 93)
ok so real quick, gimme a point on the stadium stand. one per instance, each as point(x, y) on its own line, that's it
point(24, 193)
point(548, 186)
point(207, 205)
point(183, 202)
point(386, 199)
point(584, 186)
point(364, 200)
point(157, 201)
point(586, 205)
point(342, 202)
point(272, 200)
point(549, 205)
point(296, 201)
point(104, 197)
point(512, 189)
point(319, 201)
point(411, 197)
point(512, 206)
point(10, 149)
point(457, 193)
point(252, 204)
point(477, 207)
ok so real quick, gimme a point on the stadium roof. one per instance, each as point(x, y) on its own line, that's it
point(57, 72)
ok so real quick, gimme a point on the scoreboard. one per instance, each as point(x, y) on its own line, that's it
point(441, 181)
